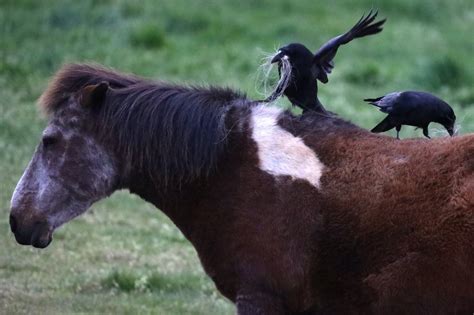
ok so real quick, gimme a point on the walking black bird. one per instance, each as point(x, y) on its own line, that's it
point(306, 68)
point(413, 108)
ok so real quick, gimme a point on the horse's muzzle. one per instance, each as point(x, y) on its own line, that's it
point(38, 234)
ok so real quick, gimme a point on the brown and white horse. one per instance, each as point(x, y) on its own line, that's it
point(288, 214)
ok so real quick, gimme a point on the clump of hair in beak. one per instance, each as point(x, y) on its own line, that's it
point(284, 70)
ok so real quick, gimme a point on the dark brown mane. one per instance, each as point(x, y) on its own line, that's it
point(175, 131)
point(71, 78)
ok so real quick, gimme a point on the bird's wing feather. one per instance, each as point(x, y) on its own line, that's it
point(387, 103)
point(383, 126)
point(323, 58)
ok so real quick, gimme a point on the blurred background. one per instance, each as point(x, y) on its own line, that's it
point(123, 256)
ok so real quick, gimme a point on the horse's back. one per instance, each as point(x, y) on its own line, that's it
point(403, 212)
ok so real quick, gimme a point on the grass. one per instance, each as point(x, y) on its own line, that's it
point(148, 36)
point(124, 256)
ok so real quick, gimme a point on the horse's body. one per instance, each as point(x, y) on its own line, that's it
point(400, 212)
point(288, 214)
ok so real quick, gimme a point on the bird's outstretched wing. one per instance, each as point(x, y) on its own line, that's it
point(323, 58)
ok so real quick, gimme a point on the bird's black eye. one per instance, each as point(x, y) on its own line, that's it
point(49, 141)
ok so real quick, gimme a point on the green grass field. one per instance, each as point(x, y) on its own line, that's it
point(123, 256)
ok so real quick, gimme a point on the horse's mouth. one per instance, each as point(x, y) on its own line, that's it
point(41, 240)
point(36, 239)
point(39, 235)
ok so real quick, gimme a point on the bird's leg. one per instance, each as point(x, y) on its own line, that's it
point(425, 132)
point(398, 128)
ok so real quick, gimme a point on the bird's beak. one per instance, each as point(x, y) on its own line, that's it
point(277, 58)
point(450, 129)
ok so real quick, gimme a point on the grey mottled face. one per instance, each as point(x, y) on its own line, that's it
point(68, 172)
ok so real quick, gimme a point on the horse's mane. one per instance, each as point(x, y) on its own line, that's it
point(72, 77)
point(175, 133)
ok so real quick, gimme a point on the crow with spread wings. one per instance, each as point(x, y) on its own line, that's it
point(305, 68)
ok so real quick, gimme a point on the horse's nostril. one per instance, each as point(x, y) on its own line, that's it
point(13, 223)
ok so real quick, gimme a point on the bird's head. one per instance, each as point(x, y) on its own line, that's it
point(300, 57)
point(295, 66)
point(448, 120)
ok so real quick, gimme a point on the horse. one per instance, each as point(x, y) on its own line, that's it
point(288, 214)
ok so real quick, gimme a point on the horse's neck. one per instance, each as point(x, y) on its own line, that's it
point(175, 200)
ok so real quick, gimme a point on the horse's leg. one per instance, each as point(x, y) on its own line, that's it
point(259, 303)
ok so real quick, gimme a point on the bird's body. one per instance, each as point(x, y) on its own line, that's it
point(413, 108)
point(302, 89)
point(307, 68)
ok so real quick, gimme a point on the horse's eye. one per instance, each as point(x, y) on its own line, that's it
point(48, 141)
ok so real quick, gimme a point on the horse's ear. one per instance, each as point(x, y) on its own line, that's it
point(94, 95)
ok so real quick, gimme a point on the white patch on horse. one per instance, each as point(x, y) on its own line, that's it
point(280, 153)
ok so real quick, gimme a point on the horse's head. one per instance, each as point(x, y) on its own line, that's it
point(69, 171)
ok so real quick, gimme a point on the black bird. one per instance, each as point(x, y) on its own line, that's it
point(413, 108)
point(306, 68)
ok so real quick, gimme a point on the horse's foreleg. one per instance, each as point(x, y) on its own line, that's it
point(258, 303)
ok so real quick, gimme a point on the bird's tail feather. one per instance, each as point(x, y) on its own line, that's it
point(382, 126)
